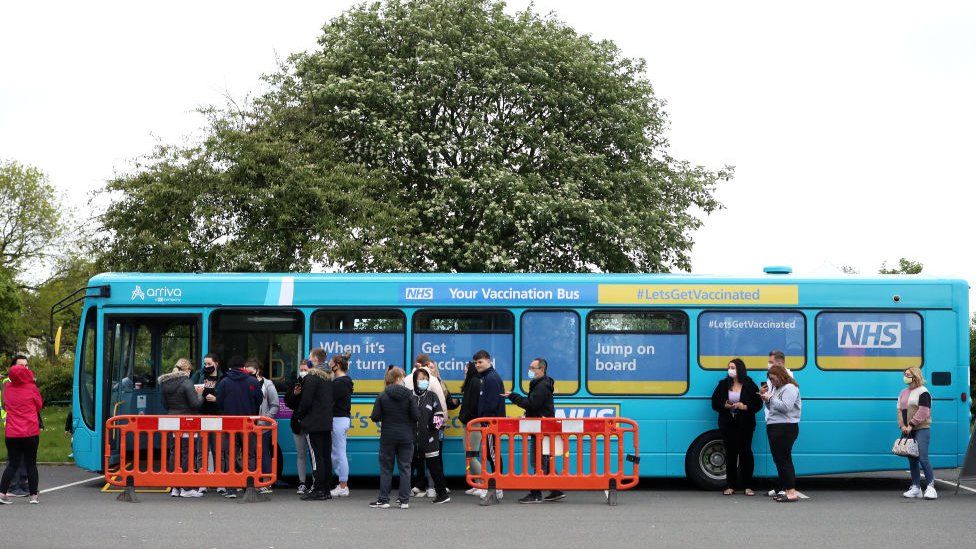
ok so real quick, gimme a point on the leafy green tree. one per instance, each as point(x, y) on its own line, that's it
point(32, 216)
point(905, 266)
point(70, 273)
point(10, 309)
point(441, 135)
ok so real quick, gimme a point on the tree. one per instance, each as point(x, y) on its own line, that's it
point(905, 266)
point(848, 269)
point(10, 308)
point(32, 215)
point(440, 135)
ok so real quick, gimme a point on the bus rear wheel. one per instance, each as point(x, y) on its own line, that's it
point(705, 461)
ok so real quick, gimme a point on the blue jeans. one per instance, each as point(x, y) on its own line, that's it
point(340, 461)
point(922, 437)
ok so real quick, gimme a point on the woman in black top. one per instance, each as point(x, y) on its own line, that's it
point(736, 399)
point(341, 414)
point(470, 390)
point(395, 413)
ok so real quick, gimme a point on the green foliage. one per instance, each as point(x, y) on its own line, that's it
point(53, 378)
point(438, 135)
point(905, 266)
point(70, 273)
point(10, 309)
point(31, 215)
point(54, 446)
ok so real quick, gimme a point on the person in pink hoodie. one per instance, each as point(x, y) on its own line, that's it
point(23, 404)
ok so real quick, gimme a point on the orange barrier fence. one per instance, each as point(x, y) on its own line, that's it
point(580, 454)
point(190, 451)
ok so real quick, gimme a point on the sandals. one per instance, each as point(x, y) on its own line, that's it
point(728, 492)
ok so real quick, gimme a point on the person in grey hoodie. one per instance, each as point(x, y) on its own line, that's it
point(181, 398)
point(783, 405)
point(395, 414)
point(269, 408)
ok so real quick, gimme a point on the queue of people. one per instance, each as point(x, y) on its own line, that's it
point(412, 412)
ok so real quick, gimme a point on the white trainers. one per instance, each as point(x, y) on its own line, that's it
point(5, 499)
point(774, 493)
point(340, 492)
point(498, 493)
point(471, 491)
point(34, 501)
point(222, 491)
point(175, 492)
point(930, 492)
point(202, 490)
point(190, 494)
point(417, 492)
point(301, 488)
point(431, 493)
point(914, 492)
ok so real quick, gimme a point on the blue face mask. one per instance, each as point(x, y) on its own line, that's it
point(423, 384)
point(531, 374)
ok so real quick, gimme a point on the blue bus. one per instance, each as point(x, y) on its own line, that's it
point(647, 347)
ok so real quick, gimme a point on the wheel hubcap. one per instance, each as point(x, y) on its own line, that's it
point(712, 460)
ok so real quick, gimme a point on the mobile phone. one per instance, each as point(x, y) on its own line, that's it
point(765, 384)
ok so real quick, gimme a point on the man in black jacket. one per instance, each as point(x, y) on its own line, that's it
point(538, 403)
point(239, 394)
point(315, 415)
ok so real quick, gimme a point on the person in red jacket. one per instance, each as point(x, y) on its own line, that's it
point(23, 404)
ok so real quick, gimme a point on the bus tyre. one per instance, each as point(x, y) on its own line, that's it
point(705, 461)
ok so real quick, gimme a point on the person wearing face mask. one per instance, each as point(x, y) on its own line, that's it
point(395, 414)
point(915, 421)
point(342, 388)
point(180, 397)
point(269, 408)
point(293, 399)
point(315, 414)
point(776, 358)
point(427, 442)
point(538, 403)
point(783, 407)
point(206, 380)
point(736, 399)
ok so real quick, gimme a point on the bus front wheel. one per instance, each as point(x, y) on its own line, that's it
point(705, 461)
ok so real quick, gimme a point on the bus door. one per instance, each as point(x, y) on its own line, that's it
point(138, 349)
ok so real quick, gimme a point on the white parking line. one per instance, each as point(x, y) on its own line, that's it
point(72, 484)
point(961, 486)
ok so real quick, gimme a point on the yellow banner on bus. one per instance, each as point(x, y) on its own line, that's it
point(698, 294)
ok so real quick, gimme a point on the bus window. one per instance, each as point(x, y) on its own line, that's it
point(375, 339)
point(724, 335)
point(86, 370)
point(274, 337)
point(637, 353)
point(554, 336)
point(179, 341)
point(869, 340)
point(452, 337)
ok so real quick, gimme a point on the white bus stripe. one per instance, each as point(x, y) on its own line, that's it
point(286, 294)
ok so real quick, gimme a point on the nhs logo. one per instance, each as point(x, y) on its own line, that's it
point(415, 294)
point(869, 335)
point(581, 412)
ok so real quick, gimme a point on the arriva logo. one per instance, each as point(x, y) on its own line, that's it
point(869, 335)
point(577, 412)
point(418, 293)
point(162, 294)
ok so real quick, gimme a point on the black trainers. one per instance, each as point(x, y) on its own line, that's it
point(555, 495)
point(316, 496)
point(531, 498)
point(403, 504)
point(442, 499)
point(378, 504)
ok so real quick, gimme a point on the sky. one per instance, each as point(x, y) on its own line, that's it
point(851, 125)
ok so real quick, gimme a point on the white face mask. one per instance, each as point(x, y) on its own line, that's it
point(769, 365)
point(302, 374)
point(731, 372)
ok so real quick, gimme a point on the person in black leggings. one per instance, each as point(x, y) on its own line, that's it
point(23, 404)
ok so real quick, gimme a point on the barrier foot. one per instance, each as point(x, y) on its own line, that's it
point(251, 495)
point(128, 494)
point(491, 498)
point(612, 493)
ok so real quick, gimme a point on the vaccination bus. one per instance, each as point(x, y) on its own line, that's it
point(647, 347)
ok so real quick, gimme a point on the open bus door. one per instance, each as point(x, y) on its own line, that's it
point(138, 349)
